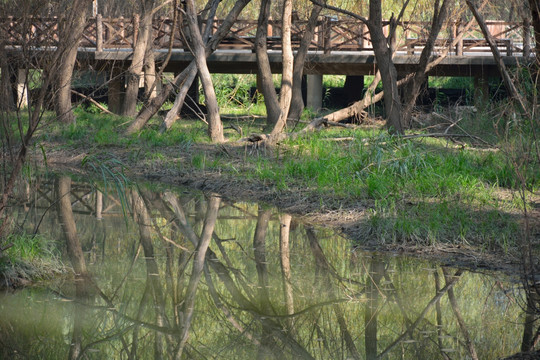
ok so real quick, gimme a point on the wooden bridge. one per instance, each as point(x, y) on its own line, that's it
point(339, 46)
point(331, 35)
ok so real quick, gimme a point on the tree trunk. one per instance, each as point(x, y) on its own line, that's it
point(215, 127)
point(71, 31)
point(508, 82)
point(297, 103)
point(285, 94)
point(134, 72)
point(273, 110)
point(383, 55)
point(420, 76)
point(174, 112)
point(150, 80)
point(155, 104)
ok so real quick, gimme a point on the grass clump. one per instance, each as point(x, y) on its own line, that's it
point(420, 189)
point(28, 259)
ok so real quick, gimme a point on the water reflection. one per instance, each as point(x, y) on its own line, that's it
point(188, 275)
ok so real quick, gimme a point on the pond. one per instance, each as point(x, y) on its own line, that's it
point(173, 273)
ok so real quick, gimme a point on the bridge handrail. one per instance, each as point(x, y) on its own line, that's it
point(331, 34)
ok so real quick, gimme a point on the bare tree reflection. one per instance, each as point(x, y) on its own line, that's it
point(457, 313)
point(324, 269)
point(375, 275)
point(198, 266)
point(74, 249)
point(269, 290)
point(285, 257)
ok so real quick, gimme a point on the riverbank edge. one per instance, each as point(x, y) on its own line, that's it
point(309, 206)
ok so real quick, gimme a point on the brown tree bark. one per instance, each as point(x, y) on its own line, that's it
point(150, 77)
point(285, 94)
point(508, 82)
point(382, 48)
point(215, 127)
point(134, 72)
point(273, 109)
point(71, 30)
point(383, 54)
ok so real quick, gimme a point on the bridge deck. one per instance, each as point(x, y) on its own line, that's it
point(339, 46)
point(338, 63)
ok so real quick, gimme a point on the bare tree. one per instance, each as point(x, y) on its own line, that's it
point(134, 72)
point(383, 49)
point(50, 63)
point(215, 127)
point(297, 103)
point(71, 29)
point(273, 110)
point(290, 95)
point(440, 13)
point(151, 108)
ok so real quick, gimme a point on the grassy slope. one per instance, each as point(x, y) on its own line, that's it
point(419, 191)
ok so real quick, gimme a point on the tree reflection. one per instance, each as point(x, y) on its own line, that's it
point(196, 276)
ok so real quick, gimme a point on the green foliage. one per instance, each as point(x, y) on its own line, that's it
point(29, 257)
point(27, 247)
point(422, 191)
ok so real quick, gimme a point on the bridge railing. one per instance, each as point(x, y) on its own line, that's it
point(331, 35)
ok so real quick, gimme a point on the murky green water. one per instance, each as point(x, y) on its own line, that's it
point(187, 275)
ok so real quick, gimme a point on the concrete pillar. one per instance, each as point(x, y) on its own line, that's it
point(6, 89)
point(314, 92)
point(22, 88)
point(193, 92)
point(481, 90)
point(354, 88)
point(117, 89)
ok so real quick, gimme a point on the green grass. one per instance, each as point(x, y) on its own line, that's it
point(423, 190)
point(420, 190)
point(30, 258)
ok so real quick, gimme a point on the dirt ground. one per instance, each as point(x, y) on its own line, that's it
point(347, 216)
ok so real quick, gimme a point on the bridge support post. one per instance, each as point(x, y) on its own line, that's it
point(354, 88)
point(117, 89)
point(6, 88)
point(192, 99)
point(314, 92)
point(481, 90)
point(22, 88)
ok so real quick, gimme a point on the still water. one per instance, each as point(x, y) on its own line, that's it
point(173, 273)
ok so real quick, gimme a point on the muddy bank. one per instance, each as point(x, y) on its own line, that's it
point(348, 216)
